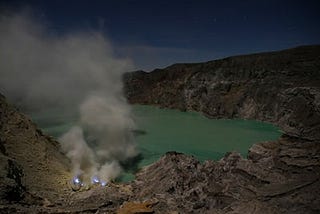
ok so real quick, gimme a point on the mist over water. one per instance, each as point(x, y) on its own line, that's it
point(73, 74)
point(158, 131)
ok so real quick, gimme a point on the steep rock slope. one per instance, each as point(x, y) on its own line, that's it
point(280, 87)
point(32, 168)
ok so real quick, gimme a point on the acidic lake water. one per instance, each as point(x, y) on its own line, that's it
point(162, 130)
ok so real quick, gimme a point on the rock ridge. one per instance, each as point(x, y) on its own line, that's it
point(279, 87)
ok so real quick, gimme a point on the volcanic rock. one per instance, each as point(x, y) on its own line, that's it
point(276, 177)
point(280, 87)
point(32, 168)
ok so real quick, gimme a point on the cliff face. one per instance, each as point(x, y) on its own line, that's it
point(277, 177)
point(279, 87)
point(32, 168)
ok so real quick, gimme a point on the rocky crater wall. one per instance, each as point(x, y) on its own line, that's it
point(280, 87)
point(276, 177)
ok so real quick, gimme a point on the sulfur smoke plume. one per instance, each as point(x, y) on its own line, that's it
point(74, 73)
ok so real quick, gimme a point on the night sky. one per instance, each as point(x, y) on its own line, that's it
point(159, 33)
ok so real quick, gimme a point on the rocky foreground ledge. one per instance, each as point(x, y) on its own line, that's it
point(277, 177)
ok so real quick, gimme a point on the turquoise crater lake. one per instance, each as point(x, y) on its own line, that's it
point(161, 130)
point(191, 133)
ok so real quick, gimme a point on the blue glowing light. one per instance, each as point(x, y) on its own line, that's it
point(76, 180)
point(103, 183)
point(95, 180)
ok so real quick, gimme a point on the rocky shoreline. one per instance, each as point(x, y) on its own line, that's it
point(277, 177)
point(279, 87)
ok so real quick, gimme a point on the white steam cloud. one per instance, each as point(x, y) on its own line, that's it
point(75, 72)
